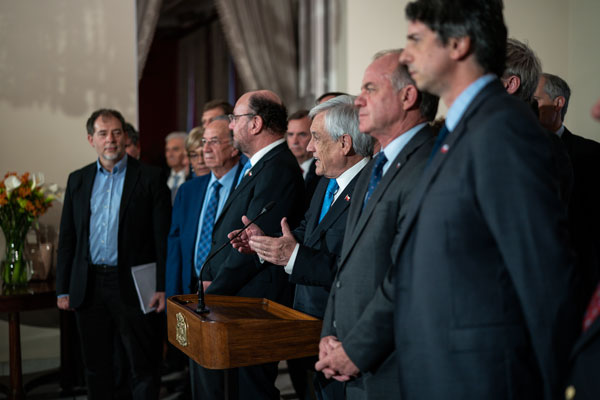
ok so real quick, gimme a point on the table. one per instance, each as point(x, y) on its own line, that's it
point(34, 296)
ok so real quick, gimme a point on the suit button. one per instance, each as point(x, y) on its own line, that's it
point(334, 324)
point(570, 393)
point(338, 284)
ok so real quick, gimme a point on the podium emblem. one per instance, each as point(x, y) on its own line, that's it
point(181, 329)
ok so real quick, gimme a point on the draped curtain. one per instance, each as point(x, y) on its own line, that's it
point(147, 12)
point(263, 42)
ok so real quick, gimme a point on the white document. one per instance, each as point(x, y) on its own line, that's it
point(144, 277)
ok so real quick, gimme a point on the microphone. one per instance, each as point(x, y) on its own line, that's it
point(201, 308)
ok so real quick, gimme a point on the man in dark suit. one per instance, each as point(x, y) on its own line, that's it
point(583, 383)
point(115, 216)
point(484, 280)
point(297, 138)
point(553, 95)
point(310, 253)
point(520, 78)
point(197, 204)
point(271, 174)
point(354, 336)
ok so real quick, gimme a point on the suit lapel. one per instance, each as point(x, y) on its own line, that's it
point(593, 332)
point(363, 217)
point(250, 178)
point(336, 210)
point(318, 196)
point(433, 168)
point(131, 177)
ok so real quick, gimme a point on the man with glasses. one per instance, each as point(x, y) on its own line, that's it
point(197, 204)
point(271, 174)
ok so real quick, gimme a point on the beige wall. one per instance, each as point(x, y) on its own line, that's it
point(59, 61)
point(562, 32)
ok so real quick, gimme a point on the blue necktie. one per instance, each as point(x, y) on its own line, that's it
point(208, 222)
point(332, 188)
point(443, 133)
point(376, 175)
point(245, 168)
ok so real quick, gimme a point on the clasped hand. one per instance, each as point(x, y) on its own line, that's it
point(253, 241)
point(333, 360)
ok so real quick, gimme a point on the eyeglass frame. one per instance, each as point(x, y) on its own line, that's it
point(213, 142)
point(234, 118)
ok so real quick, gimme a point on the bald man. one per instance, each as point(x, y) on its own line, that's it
point(259, 121)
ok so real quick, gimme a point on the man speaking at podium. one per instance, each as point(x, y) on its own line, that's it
point(272, 173)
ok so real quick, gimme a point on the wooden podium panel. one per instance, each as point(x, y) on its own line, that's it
point(240, 331)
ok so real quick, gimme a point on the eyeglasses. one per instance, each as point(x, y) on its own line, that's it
point(233, 117)
point(213, 142)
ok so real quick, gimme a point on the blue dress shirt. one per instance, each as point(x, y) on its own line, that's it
point(104, 220)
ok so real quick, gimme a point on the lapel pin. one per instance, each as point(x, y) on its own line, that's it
point(250, 173)
point(445, 149)
point(347, 198)
point(398, 165)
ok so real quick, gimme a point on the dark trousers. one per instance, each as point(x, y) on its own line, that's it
point(245, 383)
point(104, 315)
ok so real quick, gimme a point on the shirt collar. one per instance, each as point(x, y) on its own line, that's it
point(261, 153)
point(226, 180)
point(560, 130)
point(119, 167)
point(346, 177)
point(462, 102)
point(394, 148)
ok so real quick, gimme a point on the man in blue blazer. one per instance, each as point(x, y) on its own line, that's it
point(484, 279)
point(222, 159)
point(197, 204)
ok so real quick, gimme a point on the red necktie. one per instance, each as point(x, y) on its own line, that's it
point(593, 310)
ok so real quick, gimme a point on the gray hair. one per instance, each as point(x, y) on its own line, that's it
point(176, 135)
point(521, 61)
point(555, 86)
point(341, 117)
point(428, 103)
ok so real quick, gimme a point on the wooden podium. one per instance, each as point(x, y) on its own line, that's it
point(240, 331)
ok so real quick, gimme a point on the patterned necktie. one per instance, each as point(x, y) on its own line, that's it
point(174, 188)
point(245, 169)
point(593, 310)
point(376, 175)
point(332, 188)
point(207, 226)
point(443, 133)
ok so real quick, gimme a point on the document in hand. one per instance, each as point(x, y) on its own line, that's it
point(144, 277)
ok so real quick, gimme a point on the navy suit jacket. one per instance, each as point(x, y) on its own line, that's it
point(320, 249)
point(276, 177)
point(181, 275)
point(584, 365)
point(484, 281)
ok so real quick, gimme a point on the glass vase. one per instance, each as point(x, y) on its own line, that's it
point(15, 269)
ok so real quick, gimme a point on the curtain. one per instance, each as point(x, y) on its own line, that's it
point(263, 42)
point(147, 12)
point(319, 31)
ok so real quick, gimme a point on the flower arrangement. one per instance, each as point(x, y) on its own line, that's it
point(22, 201)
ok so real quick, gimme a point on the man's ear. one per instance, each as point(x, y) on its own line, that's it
point(511, 84)
point(90, 139)
point(559, 102)
point(256, 125)
point(346, 141)
point(459, 47)
point(410, 96)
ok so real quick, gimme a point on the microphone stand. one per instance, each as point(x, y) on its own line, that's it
point(201, 308)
